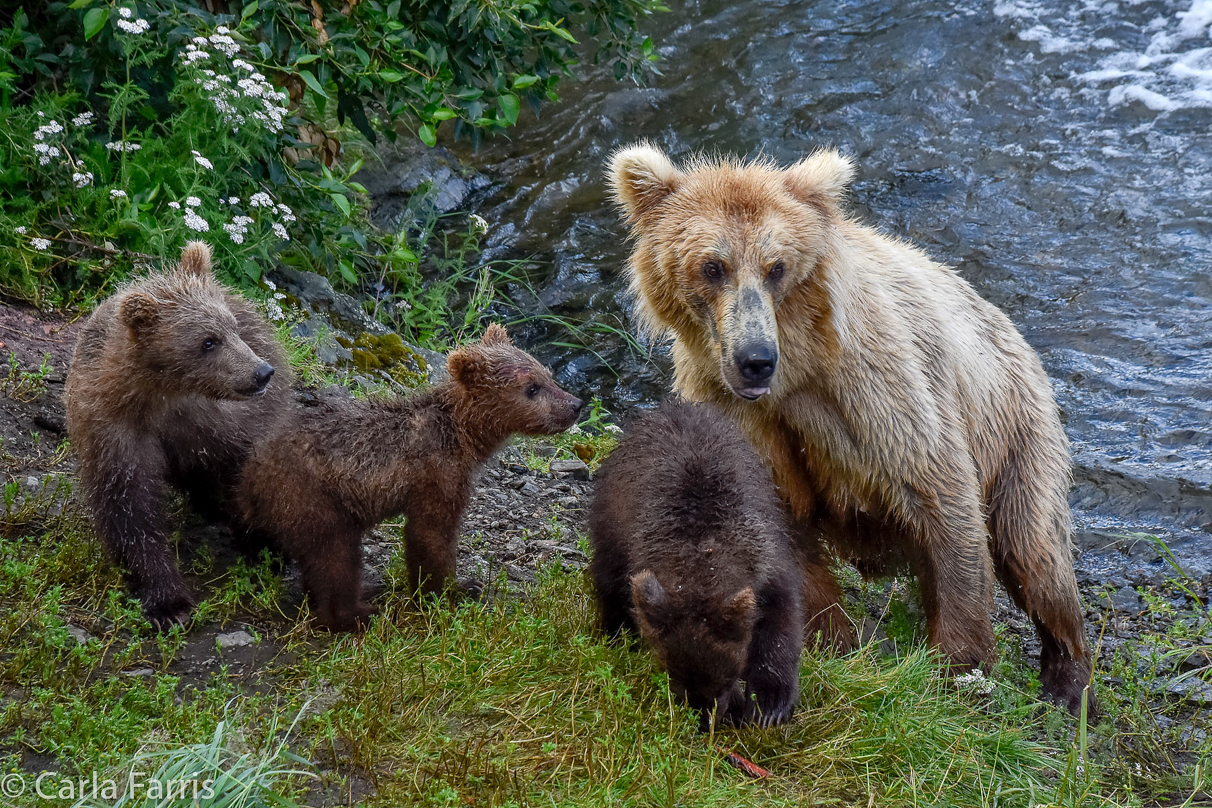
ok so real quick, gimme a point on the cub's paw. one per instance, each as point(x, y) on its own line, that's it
point(469, 589)
point(355, 619)
point(165, 609)
point(771, 705)
point(1063, 682)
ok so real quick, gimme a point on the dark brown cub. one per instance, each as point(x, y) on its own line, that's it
point(172, 380)
point(691, 548)
point(331, 473)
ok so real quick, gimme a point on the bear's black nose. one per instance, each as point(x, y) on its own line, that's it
point(756, 362)
point(263, 374)
point(576, 405)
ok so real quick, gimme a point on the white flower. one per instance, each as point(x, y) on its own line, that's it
point(279, 296)
point(117, 193)
point(123, 146)
point(243, 65)
point(233, 200)
point(280, 231)
point(193, 201)
point(270, 285)
point(243, 221)
point(40, 243)
point(224, 43)
point(975, 682)
point(193, 56)
point(82, 179)
point(125, 12)
point(195, 222)
point(574, 430)
point(479, 223)
point(19, 230)
point(137, 27)
point(175, 205)
point(274, 311)
point(201, 40)
point(202, 161)
point(614, 429)
point(52, 128)
point(41, 114)
point(236, 233)
point(222, 29)
point(83, 119)
point(261, 199)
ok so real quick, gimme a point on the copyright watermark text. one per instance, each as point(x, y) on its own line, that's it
point(143, 785)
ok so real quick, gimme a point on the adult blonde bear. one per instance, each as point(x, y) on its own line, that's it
point(905, 419)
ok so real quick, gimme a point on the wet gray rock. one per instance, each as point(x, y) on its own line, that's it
point(574, 468)
point(235, 639)
point(1125, 599)
point(406, 168)
point(80, 635)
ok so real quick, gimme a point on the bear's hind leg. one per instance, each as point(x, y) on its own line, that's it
point(1029, 529)
point(826, 623)
point(332, 577)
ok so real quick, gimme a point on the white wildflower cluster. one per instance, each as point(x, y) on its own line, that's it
point(226, 94)
point(83, 119)
point(46, 151)
point(613, 429)
point(975, 682)
point(19, 230)
point(125, 13)
point(82, 178)
point(200, 160)
point(478, 223)
point(139, 26)
point(192, 219)
point(237, 227)
point(123, 146)
point(40, 243)
point(575, 430)
point(117, 193)
point(273, 305)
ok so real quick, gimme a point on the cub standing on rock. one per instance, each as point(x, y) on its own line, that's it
point(690, 545)
point(898, 410)
point(332, 473)
point(172, 379)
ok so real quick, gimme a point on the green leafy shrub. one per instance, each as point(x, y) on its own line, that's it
point(135, 125)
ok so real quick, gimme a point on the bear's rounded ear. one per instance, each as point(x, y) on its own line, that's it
point(641, 177)
point(196, 259)
point(495, 335)
point(462, 366)
point(139, 311)
point(821, 178)
point(739, 614)
point(649, 596)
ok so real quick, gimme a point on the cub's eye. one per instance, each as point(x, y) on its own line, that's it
point(532, 390)
point(776, 272)
point(713, 271)
point(209, 344)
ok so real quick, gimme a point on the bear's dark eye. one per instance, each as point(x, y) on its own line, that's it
point(209, 344)
point(532, 390)
point(776, 272)
point(713, 271)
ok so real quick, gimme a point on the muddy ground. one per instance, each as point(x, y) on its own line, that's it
point(519, 521)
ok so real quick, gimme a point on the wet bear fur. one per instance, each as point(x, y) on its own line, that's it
point(691, 548)
point(904, 418)
point(172, 380)
point(333, 472)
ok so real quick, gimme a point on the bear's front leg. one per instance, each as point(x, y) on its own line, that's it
point(124, 483)
point(431, 538)
point(772, 674)
point(954, 571)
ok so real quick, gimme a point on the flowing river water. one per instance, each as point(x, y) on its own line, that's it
point(1058, 154)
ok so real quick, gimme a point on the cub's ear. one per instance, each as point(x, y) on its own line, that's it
point(463, 366)
point(195, 259)
point(495, 335)
point(641, 176)
point(649, 597)
point(739, 614)
point(823, 177)
point(139, 311)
